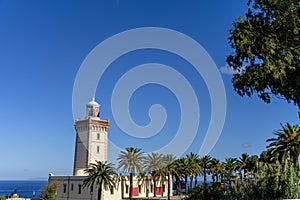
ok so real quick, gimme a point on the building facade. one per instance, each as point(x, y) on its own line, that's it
point(91, 146)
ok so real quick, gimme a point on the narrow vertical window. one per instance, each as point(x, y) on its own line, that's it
point(98, 149)
point(127, 189)
point(79, 189)
point(98, 136)
point(65, 188)
point(140, 189)
point(112, 190)
point(72, 187)
point(163, 188)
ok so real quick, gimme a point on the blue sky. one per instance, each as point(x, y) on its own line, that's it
point(42, 46)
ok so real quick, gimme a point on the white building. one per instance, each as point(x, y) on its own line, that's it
point(92, 145)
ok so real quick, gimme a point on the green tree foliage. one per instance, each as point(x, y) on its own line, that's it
point(2, 198)
point(153, 164)
point(204, 163)
point(49, 192)
point(281, 181)
point(231, 166)
point(215, 169)
point(206, 193)
point(195, 169)
point(287, 142)
point(100, 174)
point(267, 49)
point(170, 170)
point(131, 161)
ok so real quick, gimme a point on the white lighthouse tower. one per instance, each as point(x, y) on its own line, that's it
point(91, 139)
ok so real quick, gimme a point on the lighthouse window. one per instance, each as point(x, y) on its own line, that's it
point(65, 188)
point(98, 149)
point(79, 189)
point(98, 136)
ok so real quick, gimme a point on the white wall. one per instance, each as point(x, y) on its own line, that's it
point(66, 182)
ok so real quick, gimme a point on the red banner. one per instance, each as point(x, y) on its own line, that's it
point(135, 192)
point(158, 190)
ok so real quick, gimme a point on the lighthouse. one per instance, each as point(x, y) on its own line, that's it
point(91, 139)
point(92, 145)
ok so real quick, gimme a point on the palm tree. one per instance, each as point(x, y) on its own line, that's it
point(176, 165)
point(222, 171)
point(153, 164)
point(100, 174)
point(131, 161)
point(215, 169)
point(243, 165)
point(195, 168)
point(230, 167)
point(253, 165)
point(143, 179)
point(170, 169)
point(185, 170)
point(286, 142)
point(204, 163)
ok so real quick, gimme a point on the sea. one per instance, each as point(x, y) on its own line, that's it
point(24, 188)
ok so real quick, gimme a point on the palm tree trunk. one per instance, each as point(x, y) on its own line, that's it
point(196, 180)
point(204, 178)
point(147, 186)
point(221, 177)
point(296, 161)
point(191, 183)
point(154, 183)
point(100, 192)
point(169, 186)
point(178, 185)
point(131, 186)
point(162, 189)
point(241, 175)
point(186, 184)
point(122, 187)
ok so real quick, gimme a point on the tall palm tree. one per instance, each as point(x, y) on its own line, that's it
point(100, 174)
point(131, 161)
point(215, 169)
point(243, 165)
point(222, 171)
point(153, 165)
point(170, 169)
point(195, 168)
point(176, 165)
point(204, 163)
point(253, 163)
point(185, 170)
point(230, 167)
point(286, 142)
point(143, 179)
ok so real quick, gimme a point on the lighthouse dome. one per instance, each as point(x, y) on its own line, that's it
point(92, 108)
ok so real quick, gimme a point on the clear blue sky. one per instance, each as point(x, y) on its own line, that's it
point(42, 45)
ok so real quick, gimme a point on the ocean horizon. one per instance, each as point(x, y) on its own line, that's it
point(24, 188)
